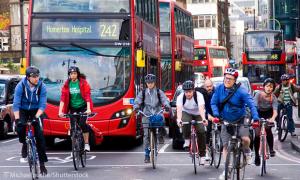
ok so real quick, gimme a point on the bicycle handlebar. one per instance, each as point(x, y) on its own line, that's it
point(141, 112)
point(69, 115)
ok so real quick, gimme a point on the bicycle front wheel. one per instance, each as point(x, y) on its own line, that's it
point(241, 165)
point(194, 152)
point(283, 131)
point(217, 148)
point(153, 148)
point(230, 169)
point(32, 160)
point(75, 151)
point(82, 153)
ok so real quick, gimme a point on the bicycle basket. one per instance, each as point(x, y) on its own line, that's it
point(156, 121)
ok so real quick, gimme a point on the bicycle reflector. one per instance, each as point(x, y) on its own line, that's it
point(156, 121)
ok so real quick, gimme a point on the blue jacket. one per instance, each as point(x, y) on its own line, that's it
point(235, 108)
point(29, 100)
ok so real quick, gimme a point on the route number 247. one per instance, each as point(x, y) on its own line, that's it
point(108, 31)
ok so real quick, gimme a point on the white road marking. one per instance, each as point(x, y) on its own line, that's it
point(9, 140)
point(283, 154)
point(162, 150)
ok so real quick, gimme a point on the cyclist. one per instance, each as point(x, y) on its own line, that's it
point(266, 103)
point(207, 91)
point(191, 106)
point(150, 101)
point(234, 110)
point(285, 92)
point(76, 98)
point(29, 103)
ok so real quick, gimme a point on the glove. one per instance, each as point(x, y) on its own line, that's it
point(167, 108)
point(216, 120)
point(136, 110)
point(255, 124)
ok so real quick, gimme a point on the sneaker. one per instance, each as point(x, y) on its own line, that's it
point(257, 161)
point(161, 140)
point(293, 134)
point(186, 144)
point(87, 147)
point(272, 153)
point(248, 156)
point(43, 169)
point(202, 161)
point(147, 159)
point(207, 157)
point(24, 150)
point(222, 176)
point(23, 160)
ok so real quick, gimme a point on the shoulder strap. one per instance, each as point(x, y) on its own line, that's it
point(195, 97)
point(143, 98)
point(158, 96)
point(183, 100)
point(229, 96)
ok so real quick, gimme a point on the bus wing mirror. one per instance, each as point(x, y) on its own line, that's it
point(140, 58)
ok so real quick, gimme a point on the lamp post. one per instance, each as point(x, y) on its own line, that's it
point(22, 28)
point(273, 12)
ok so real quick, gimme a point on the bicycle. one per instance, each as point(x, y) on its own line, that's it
point(215, 146)
point(32, 155)
point(78, 152)
point(282, 124)
point(236, 159)
point(155, 122)
point(193, 147)
point(264, 152)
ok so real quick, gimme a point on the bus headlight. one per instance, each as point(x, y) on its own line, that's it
point(123, 113)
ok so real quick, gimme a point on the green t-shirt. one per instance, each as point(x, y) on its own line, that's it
point(76, 100)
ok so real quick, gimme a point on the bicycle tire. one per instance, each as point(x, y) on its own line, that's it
point(30, 158)
point(82, 153)
point(153, 149)
point(229, 163)
point(262, 155)
point(283, 131)
point(217, 149)
point(241, 165)
point(194, 152)
point(75, 151)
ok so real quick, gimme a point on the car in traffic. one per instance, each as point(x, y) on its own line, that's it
point(7, 89)
point(243, 80)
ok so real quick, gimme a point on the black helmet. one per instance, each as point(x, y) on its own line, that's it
point(150, 78)
point(188, 85)
point(284, 77)
point(32, 71)
point(73, 69)
point(269, 80)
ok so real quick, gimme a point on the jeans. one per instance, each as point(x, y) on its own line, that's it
point(38, 132)
point(289, 112)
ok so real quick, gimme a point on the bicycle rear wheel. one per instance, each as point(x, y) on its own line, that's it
point(283, 131)
point(75, 151)
point(153, 148)
point(194, 152)
point(217, 148)
point(230, 169)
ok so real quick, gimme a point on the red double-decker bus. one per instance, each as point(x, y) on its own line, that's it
point(263, 56)
point(176, 42)
point(291, 59)
point(102, 38)
point(211, 61)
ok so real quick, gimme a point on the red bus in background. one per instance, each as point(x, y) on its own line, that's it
point(210, 60)
point(263, 56)
point(176, 42)
point(101, 37)
point(291, 59)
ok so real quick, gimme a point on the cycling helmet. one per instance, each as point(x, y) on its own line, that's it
point(188, 85)
point(73, 69)
point(284, 77)
point(269, 80)
point(150, 78)
point(232, 72)
point(32, 71)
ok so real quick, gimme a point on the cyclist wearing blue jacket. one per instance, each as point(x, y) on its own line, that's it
point(234, 110)
point(29, 103)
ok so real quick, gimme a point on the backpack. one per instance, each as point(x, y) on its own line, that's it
point(144, 93)
point(195, 98)
point(38, 90)
point(280, 86)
